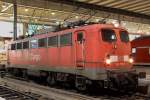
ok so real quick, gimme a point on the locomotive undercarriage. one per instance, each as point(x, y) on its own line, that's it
point(120, 81)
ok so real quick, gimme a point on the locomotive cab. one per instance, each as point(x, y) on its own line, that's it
point(117, 58)
point(103, 54)
point(117, 48)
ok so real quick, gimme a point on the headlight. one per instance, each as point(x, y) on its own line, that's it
point(131, 60)
point(108, 61)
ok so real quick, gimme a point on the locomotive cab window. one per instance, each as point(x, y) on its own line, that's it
point(133, 50)
point(124, 36)
point(19, 45)
point(108, 35)
point(26, 45)
point(34, 43)
point(13, 46)
point(66, 39)
point(53, 41)
point(42, 42)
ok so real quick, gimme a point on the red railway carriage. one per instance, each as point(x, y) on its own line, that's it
point(97, 52)
point(141, 50)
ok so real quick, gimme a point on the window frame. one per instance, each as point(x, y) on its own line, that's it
point(103, 38)
point(31, 44)
point(126, 34)
point(68, 44)
point(17, 45)
point(14, 48)
point(45, 42)
point(56, 44)
point(28, 44)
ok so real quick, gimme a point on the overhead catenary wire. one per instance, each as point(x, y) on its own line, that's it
point(73, 11)
point(92, 13)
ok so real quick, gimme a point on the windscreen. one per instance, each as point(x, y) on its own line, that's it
point(108, 35)
point(124, 36)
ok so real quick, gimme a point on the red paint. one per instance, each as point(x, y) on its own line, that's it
point(92, 53)
point(142, 45)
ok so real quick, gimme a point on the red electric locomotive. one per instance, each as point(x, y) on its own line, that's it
point(84, 55)
point(141, 50)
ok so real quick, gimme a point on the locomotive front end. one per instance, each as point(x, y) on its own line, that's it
point(118, 60)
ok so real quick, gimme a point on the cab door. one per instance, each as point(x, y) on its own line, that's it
point(80, 49)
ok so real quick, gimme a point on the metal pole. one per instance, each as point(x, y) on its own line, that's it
point(15, 18)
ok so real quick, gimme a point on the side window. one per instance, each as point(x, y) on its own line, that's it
point(13, 46)
point(26, 45)
point(19, 45)
point(53, 41)
point(66, 39)
point(133, 50)
point(34, 43)
point(42, 42)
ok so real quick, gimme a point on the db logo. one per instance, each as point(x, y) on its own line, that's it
point(35, 57)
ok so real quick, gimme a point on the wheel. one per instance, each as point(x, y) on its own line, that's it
point(80, 84)
point(71, 81)
point(51, 79)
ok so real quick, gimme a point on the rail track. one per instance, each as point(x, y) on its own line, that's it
point(46, 93)
point(32, 91)
point(10, 94)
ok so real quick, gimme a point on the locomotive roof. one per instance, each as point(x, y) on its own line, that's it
point(142, 38)
point(141, 42)
point(84, 27)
